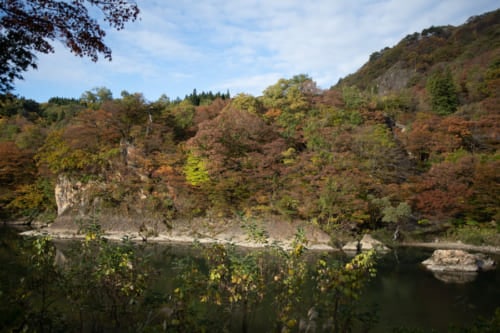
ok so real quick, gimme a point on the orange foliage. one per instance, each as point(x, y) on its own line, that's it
point(273, 113)
point(163, 171)
point(16, 166)
point(207, 112)
point(444, 191)
point(432, 135)
point(92, 130)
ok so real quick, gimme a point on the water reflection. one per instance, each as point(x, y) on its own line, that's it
point(408, 295)
point(455, 277)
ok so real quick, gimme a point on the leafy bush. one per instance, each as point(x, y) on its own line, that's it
point(476, 234)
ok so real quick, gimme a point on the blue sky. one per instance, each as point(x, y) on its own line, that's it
point(240, 45)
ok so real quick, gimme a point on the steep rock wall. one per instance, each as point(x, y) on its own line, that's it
point(113, 205)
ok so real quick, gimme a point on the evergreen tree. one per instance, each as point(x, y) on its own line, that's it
point(442, 91)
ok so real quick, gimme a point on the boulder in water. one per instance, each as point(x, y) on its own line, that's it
point(457, 261)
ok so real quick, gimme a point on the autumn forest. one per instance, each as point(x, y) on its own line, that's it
point(409, 140)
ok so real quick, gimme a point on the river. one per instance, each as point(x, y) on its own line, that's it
point(403, 293)
point(408, 295)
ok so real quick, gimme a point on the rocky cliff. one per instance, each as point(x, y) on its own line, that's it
point(80, 204)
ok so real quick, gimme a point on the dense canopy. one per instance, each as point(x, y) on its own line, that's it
point(365, 154)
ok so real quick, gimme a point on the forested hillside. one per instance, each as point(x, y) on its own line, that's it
point(410, 139)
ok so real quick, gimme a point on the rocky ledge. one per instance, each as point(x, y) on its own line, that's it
point(250, 235)
point(366, 243)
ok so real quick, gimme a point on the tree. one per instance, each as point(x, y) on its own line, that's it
point(28, 27)
point(288, 100)
point(445, 191)
point(128, 115)
point(378, 153)
point(337, 291)
point(353, 97)
point(238, 151)
point(11, 105)
point(444, 98)
point(195, 170)
point(16, 165)
point(248, 103)
point(96, 97)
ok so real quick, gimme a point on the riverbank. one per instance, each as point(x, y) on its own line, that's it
point(177, 239)
point(458, 245)
point(242, 234)
point(255, 236)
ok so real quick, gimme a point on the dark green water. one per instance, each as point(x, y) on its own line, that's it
point(403, 293)
point(410, 296)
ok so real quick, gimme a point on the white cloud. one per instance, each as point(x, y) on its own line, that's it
point(152, 44)
point(62, 67)
point(253, 85)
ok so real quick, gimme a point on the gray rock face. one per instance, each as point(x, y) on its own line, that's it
point(457, 261)
point(70, 193)
point(65, 193)
point(366, 243)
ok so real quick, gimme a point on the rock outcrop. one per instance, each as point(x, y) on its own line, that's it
point(114, 206)
point(366, 243)
point(458, 261)
point(67, 194)
point(457, 266)
point(394, 79)
point(138, 214)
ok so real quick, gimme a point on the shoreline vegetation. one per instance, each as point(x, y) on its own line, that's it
point(230, 280)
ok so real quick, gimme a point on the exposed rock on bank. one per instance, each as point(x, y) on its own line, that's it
point(83, 205)
point(240, 233)
point(366, 243)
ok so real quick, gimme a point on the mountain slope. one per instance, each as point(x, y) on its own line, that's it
point(471, 51)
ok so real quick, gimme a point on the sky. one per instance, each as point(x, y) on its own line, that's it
point(240, 46)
